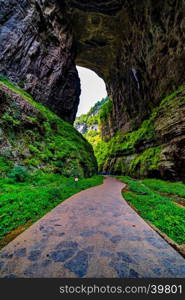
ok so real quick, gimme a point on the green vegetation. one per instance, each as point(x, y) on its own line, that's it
point(39, 150)
point(121, 142)
point(129, 142)
point(93, 116)
point(160, 210)
point(147, 161)
point(97, 115)
point(172, 188)
point(39, 139)
point(21, 202)
point(105, 110)
point(123, 151)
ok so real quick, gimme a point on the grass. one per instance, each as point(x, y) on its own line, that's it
point(160, 210)
point(23, 202)
point(173, 188)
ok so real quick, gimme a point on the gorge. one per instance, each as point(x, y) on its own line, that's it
point(137, 47)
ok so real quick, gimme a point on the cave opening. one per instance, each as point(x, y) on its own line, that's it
point(93, 89)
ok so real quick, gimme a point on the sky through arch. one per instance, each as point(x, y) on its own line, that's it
point(92, 89)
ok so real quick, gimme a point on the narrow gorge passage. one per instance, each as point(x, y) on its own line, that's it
point(95, 234)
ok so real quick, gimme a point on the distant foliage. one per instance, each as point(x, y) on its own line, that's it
point(173, 188)
point(97, 114)
point(97, 106)
point(92, 117)
point(105, 110)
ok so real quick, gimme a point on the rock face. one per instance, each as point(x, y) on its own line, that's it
point(156, 148)
point(137, 47)
point(36, 51)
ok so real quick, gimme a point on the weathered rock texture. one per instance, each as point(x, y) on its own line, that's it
point(137, 47)
point(36, 51)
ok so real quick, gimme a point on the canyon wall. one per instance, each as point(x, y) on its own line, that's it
point(137, 47)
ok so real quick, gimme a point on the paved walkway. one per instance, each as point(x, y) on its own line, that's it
point(92, 234)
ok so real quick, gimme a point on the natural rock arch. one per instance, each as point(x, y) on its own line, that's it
point(135, 46)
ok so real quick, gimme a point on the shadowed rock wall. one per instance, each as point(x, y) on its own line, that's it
point(36, 51)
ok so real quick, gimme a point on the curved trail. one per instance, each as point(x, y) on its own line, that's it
point(95, 233)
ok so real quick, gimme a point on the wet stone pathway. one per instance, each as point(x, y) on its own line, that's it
point(95, 234)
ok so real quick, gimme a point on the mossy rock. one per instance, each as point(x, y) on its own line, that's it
point(33, 136)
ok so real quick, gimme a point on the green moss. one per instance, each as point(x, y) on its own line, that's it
point(172, 96)
point(105, 110)
point(43, 138)
point(82, 119)
point(146, 161)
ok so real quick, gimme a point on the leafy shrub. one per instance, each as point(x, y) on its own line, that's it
point(18, 174)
